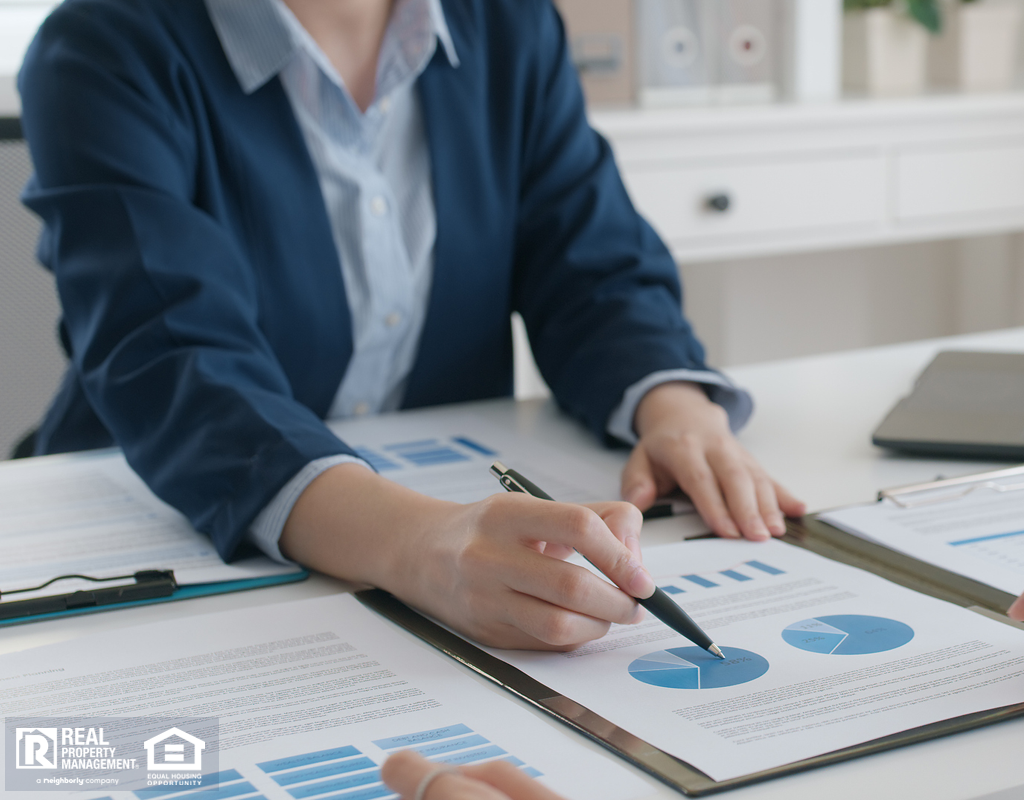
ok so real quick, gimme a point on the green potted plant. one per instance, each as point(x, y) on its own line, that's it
point(885, 44)
point(977, 50)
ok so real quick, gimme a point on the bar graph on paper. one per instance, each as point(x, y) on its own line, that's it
point(742, 573)
point(343, 772)
point(456, 468)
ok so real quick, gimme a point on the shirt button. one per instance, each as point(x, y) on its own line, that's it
point(361, 409)
point(384, 105)
point(392, 319)
point(378, 206)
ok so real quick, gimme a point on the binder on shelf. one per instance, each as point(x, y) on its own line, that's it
point(707, 51)
point(808, 533)
point(748, 44)
point(674, 65)
point(600, 34)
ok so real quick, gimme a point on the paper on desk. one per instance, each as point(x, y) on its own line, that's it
point(449, 459)
point(819, 656)
point(308, 681)
point(979, 534)
point(90, 514)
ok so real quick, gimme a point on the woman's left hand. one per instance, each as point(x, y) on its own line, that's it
point(685, 441)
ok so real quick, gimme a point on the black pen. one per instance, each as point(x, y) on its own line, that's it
point(659, 603)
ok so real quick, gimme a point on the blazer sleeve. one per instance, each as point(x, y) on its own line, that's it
point(160, 306)
point(596, 287)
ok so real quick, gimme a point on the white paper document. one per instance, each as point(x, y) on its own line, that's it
point(447, 456)
point(977, 532)
point(819, 656)
point(311, 697)
point(90, 514)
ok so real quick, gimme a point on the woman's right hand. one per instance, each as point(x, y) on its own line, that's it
point(494, 570)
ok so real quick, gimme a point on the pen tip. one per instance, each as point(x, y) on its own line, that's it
point(714, 649)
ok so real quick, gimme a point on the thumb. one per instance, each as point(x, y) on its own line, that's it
point(638, 484)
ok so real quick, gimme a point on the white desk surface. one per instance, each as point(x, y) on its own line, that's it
point(811, 430)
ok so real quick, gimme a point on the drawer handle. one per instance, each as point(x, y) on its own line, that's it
point(717, 202)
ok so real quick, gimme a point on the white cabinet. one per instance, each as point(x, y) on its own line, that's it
point(978, 178)
point(706, 203)
point(722, 183)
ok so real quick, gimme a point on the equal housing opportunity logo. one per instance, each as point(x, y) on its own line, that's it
point(121, 754)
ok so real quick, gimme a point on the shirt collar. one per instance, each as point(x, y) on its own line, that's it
point(258, 43)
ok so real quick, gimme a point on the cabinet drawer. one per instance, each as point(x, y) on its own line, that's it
point(960, 181)
point(764, 197)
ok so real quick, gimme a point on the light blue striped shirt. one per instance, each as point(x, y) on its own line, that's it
point(375, 176)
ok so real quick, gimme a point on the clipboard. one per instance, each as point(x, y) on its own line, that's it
point(827, 540)
point(808, 533)
point(150, 586)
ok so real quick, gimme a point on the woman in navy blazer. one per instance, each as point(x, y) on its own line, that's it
point(208, 326)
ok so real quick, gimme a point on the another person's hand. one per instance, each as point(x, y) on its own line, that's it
point(494, 569)
point(1016, 611)
point(406, 772)
point(685, 441)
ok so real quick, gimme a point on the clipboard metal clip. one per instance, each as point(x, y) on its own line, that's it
point(958, 488)
point(146, 585)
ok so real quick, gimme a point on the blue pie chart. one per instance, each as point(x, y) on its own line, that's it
point(848, 634)
point(694, 668)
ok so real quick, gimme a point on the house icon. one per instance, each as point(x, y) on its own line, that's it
point(167, 751)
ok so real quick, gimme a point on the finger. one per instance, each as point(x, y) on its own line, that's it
point(1016, 611)
point(694, 475)
point(582, 529)
point(403, 772)
point(737, 485)
point(511, 780)
point(768, 503)
point(790, 506)
point(638, 482)
point(567, 586)
point(547, 626)
point(624, 520)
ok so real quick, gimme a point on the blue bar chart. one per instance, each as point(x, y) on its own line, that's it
point(455, 744)
point(740, 573)
point(424, 453)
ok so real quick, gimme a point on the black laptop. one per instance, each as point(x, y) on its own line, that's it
point(964, 404)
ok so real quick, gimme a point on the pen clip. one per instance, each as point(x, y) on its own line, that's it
point(506, 479)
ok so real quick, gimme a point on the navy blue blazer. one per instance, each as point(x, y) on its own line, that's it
point(203, 304)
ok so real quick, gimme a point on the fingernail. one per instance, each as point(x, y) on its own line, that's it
point(777, 526)
point(632, 493)
point(639, 616)
point(760, 533)
point(641, 584)
point(633, 545)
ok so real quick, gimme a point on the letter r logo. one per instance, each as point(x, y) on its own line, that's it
point(36, 748)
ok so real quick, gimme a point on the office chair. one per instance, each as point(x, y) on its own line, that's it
point(31, 360)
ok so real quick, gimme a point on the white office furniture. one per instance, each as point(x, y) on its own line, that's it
point(812, 430)
point(720, 183)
